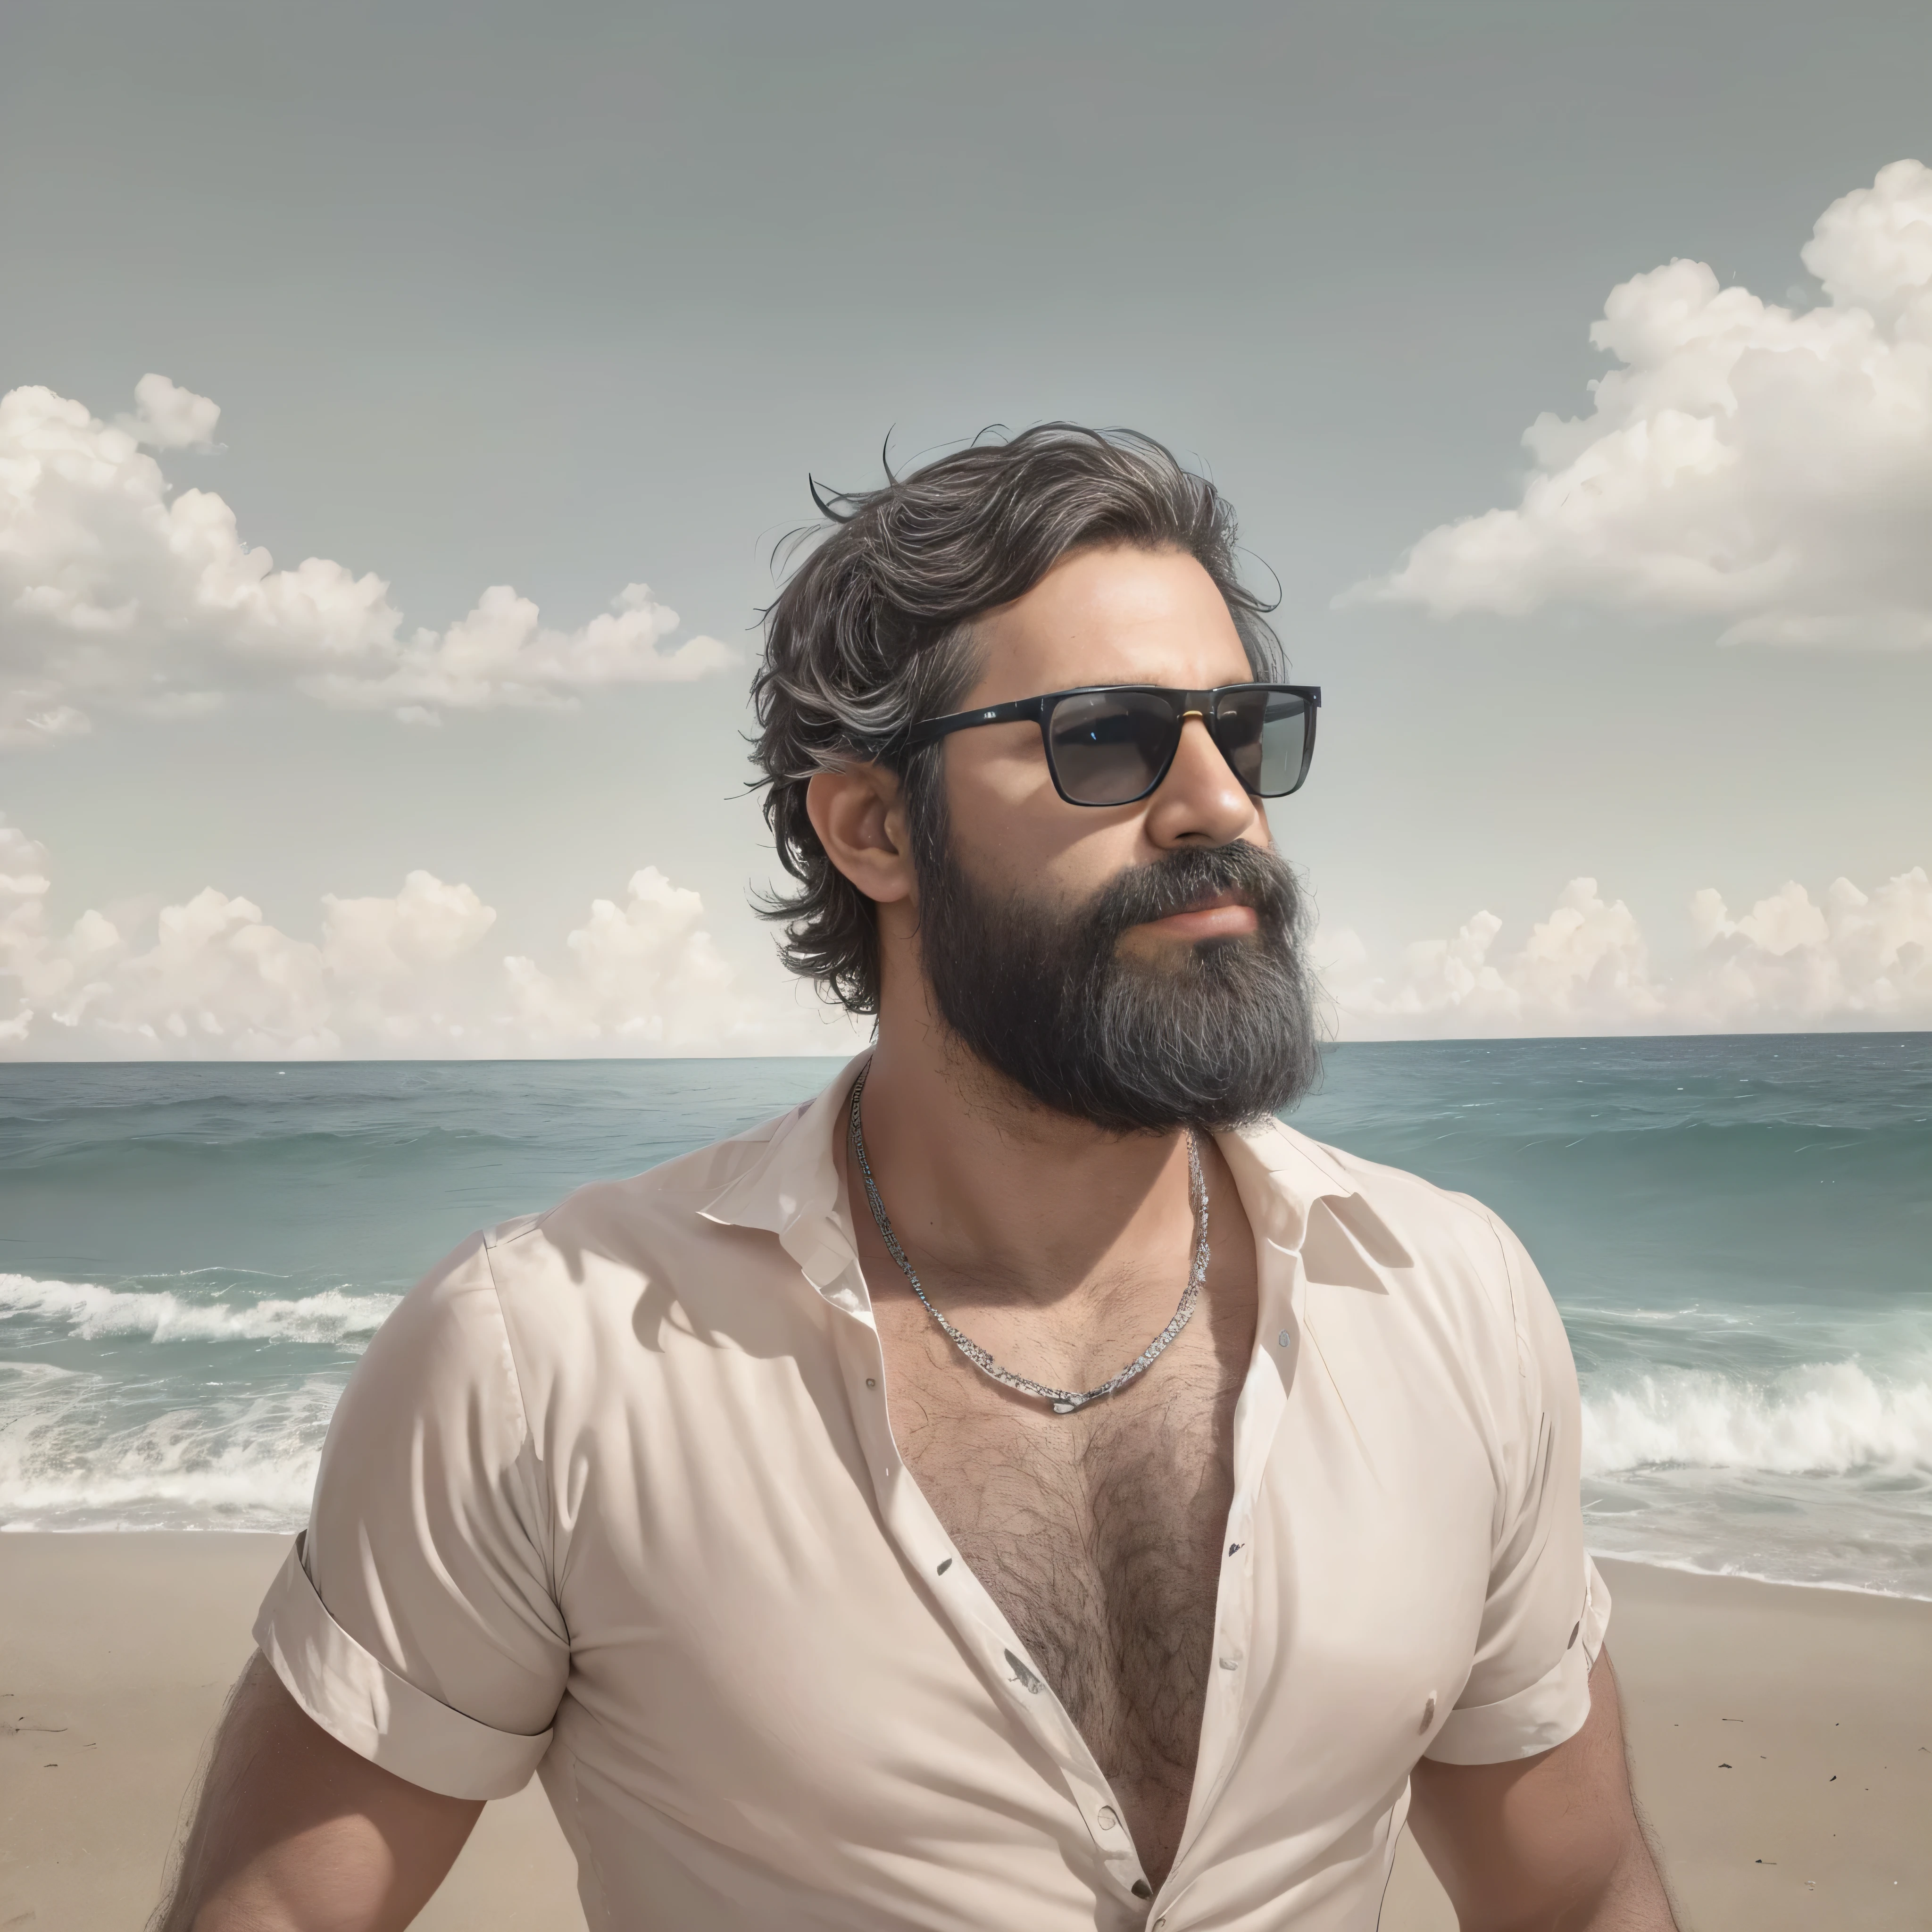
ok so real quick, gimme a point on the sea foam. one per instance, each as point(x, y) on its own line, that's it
point(68, 1460)
point(91, 1312)
point(1831, 1418)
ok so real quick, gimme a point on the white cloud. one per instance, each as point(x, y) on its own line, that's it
point(217, 980)
point(167, 417)
point(414, 975)
point(116, 589)
point(1789, 964)
point(404, 969)
point(44, 972)
point(656, 939)
point(1865, 957)
point(1585, 969)
point(410, 976)
point(1766, 468)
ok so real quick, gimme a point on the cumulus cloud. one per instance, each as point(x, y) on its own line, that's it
point(412, 976)
point(1865, 957)
point(41, 970)
point(1767, 468)
point(655, 938)
point(416, 974)
point(168, 417)
point(116, 589)
point(1856, 959)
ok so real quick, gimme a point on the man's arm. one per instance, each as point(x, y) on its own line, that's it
point(1549, 1844)
point(295, 1833)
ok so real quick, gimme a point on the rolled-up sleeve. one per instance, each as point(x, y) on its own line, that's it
point(1544, 1617)
point(415, 1619)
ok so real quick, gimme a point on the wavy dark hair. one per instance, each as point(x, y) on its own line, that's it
point(874, 632)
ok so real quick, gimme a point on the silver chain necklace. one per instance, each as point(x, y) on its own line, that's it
point(1064, 1401)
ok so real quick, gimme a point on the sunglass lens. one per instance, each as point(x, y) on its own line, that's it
point(1108, 747)
point(1263, 733)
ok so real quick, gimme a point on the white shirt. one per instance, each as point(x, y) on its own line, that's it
point(612, 1497)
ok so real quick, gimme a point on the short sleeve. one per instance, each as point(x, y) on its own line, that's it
point(415, 1620)
point(1546, 1610)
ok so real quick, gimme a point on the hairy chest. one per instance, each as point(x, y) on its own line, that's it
point(1098, 1534)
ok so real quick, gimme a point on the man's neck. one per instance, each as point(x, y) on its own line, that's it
point(985, 1185)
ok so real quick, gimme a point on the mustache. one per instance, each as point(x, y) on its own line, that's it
point(1180, 878)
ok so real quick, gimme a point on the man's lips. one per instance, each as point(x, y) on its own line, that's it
point(1215, 916)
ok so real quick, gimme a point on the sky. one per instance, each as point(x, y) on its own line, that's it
point(404, 404)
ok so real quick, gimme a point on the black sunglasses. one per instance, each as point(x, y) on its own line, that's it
point(1112, 744)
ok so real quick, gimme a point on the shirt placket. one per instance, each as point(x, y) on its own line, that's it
point(1237, 1669)
point(827, 1258)
point(825, 1253)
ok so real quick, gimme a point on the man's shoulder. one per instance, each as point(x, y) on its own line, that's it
point(1438, 1218)
point(560, 1299)
point(1427, 1245)
point(630, 1219)
point(1429, 1278)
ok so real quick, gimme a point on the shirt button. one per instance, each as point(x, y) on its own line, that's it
point(1109, 1817)
point(1141, 1889)
point(1231, 1663)
point(872, 1381)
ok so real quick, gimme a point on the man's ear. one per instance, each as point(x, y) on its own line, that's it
point(859, 815)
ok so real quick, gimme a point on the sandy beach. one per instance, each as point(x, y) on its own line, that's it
point(1782, 1737)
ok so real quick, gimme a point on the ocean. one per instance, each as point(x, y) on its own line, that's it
point(1738, 1231)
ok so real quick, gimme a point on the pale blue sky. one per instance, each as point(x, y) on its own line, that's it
point(571, 296)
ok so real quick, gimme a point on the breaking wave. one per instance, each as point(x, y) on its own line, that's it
point(91, 1312)
point(1832, 1418)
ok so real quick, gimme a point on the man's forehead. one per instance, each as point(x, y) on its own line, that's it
point(1112, 616)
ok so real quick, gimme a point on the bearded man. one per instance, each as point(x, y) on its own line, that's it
point(1029, 1485)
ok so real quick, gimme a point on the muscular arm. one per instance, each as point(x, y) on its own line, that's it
point(295, 1833)
point(1549, 1844)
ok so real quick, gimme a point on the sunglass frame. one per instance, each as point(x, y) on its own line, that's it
point(1203, 704)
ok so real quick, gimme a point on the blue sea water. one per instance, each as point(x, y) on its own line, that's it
point(1737, 1230)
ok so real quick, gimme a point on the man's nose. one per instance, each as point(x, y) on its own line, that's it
point(1200, 801)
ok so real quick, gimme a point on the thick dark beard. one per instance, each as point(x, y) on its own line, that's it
point(1219, 1038)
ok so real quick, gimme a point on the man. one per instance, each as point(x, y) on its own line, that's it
point(1028, 1486)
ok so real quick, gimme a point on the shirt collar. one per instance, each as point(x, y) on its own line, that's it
point(792, 1188)
point(1281, 1174)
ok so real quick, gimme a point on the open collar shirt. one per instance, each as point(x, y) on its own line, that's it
point(612, 1497)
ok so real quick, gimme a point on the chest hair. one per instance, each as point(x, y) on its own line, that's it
point(1098, 1534)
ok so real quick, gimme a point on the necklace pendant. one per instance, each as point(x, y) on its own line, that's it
point(1065, 1407)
